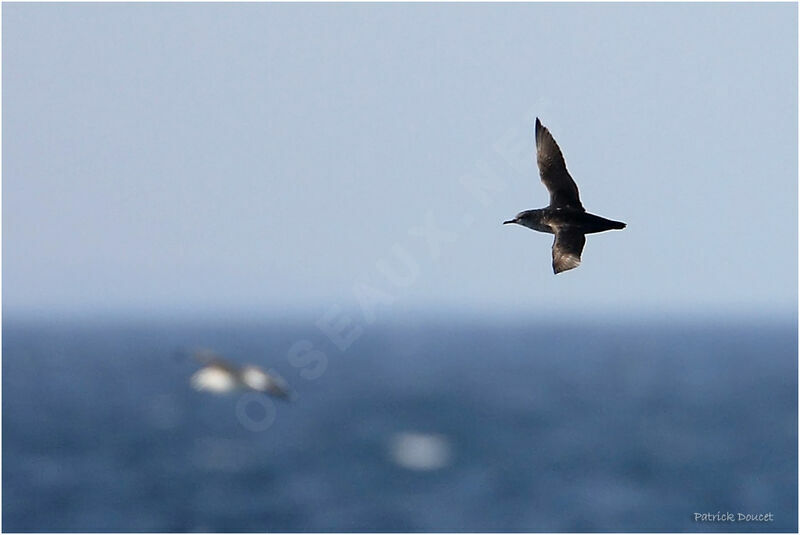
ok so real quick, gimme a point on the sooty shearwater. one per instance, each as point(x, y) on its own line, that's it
point(565, 217)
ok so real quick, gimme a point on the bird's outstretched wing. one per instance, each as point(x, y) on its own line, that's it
point(553, 171)
point(567, 248)
point(279, 387)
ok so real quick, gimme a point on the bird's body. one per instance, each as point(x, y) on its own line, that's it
point(565, 216)
point(551, 219)
point(215, 378)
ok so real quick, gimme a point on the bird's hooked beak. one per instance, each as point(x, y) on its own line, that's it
point(510, 221)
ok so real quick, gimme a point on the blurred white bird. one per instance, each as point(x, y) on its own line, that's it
point(219, 376)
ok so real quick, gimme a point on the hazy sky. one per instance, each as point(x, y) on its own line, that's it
point(207, 156)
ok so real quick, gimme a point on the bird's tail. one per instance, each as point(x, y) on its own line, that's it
point(595, 223)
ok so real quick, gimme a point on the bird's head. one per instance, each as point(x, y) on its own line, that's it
point(518, 219)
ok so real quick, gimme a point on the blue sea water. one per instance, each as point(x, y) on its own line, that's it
point(556, 427)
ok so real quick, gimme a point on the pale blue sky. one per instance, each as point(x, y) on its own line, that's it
point(205, 157)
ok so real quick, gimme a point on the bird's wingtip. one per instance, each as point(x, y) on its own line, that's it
point(540, 129)
point(565, 263)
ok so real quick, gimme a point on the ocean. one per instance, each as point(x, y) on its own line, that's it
point(446, 426)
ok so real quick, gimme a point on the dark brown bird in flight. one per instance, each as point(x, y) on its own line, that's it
point(565, 217)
